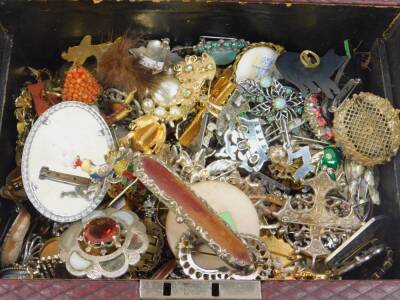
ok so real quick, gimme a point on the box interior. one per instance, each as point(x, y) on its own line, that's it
point(41, 30)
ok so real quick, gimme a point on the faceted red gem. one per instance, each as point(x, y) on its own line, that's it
point(100, 230)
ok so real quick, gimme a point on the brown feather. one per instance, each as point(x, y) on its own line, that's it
point(120, 69)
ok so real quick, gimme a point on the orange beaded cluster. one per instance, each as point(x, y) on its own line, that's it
point(81, 86)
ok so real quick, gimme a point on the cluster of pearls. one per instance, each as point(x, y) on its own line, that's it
point(176, 96)
point(163, 102)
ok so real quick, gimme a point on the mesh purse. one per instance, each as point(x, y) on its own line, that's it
point(367, 128)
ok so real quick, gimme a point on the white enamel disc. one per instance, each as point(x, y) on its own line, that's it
point(60, 134)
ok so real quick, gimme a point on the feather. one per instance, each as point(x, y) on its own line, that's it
point(118, 68)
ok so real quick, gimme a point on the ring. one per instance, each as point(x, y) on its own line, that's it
point(309, 59)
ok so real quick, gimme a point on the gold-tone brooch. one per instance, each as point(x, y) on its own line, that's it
point(148, 135)
point(80, 53)
point(367, 127)
point(175, 97)
point(219, 95)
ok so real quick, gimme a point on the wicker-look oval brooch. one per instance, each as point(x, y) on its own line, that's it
point(367, 128)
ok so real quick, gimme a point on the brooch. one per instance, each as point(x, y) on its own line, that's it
point(50, 179)
point(246, 144)
point(192, 210)
point(222, 50)
point(257, 61)
point(105, 243)
point(367, 128)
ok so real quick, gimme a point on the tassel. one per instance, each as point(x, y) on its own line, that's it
point(118, 68)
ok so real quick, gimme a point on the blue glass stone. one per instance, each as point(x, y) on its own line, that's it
point(260, 98)
point(223, 57)
point(279, 103)
point(266, 82)
point(289, 91)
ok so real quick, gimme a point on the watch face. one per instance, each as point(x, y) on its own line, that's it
point(62, 133)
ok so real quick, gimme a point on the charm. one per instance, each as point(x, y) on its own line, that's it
point(303, 152)
point(279, 167)
point(246, 144)
point(310, 73)
point(153, 57)
point(79, 54)
point(105, 244)
point(257, 61)
point(222, 50)
point(313, 115)
point(81, 86)
point(306, 167)
point(192, 210)
point(231, 204)
point(316, 218)
point(148, 135)
point(331, 161)
point(367, 128)
point(236, 105)
point(190, 169)
point(54, 141)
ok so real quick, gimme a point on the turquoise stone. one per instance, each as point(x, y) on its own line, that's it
point(279, 103)
point(288, 91)
point(223, 57)
point(266, 82)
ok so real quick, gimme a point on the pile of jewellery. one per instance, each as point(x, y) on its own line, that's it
point(224, 160)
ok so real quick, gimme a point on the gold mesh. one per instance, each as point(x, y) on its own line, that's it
point(367, 127)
